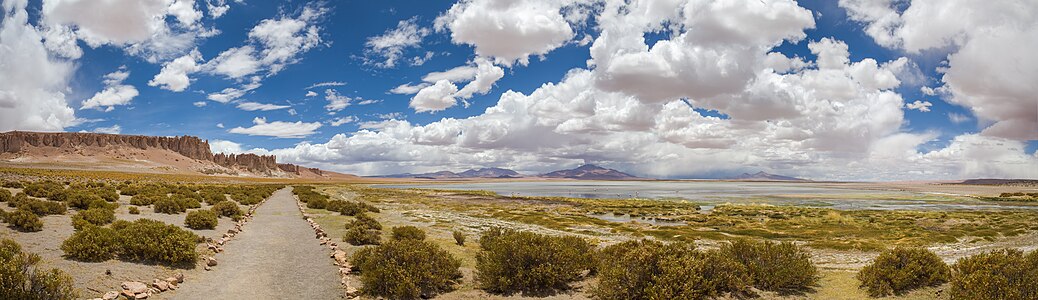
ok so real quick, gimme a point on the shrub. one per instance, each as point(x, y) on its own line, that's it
point(134, 211)
point(407, 269)
point(93, 216)
point(364, 221)
point(201, 219)
point(781, 267)
point(189, 203)
point(24, 220)
point(516, 261)
point(459, 237)
point(1002, 274)
point(407, 233)
point(359, 236)
point(13, 184)
point(168, 206)
point(23, 279)
point(146, 199)
point(902, 269)
point(150, 240)
point(82, 200)
point(227, 209)
point(42, 207)
point(317, 203)
point(92, 243)
point(651, 270)
point(6, 195)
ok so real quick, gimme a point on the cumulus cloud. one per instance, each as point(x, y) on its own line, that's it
point(32, 82)
point(922, 106)
point(990, 68)
point(254, 106)
point(336, 102)
point(435, 97)
point(386, 50)
point(115, 92)
point(114, 129)
point(226, 147)
point(311, 94)
point(508, 31)
point(409, 89)
point(278, 129)
point(342, 120)
point(174, 74)
point(958, 118)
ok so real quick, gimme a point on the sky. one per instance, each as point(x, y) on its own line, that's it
point(826, 90)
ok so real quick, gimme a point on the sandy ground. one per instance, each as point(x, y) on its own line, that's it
point(275, 257)
point(90, 278)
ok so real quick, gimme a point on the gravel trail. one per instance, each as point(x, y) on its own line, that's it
point(275, 257)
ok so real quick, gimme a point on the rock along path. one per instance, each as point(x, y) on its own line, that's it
point(274, 257)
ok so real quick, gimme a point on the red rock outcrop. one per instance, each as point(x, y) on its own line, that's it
point(295, 169)
point(189, 146)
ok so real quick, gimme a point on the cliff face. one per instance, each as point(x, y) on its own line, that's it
point(295, 169)
point(189, 146)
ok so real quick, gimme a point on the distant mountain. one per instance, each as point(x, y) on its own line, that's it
point(471, 173)
point(590, 172)
point(764, 176)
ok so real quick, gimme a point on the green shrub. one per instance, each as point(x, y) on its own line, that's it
point(93, 216)
point(92, 243)
point(24, 220)
point(317, 203)
point(41, 207)
point(227, 209)
point(82, 199)
point(134, 211)
point(13, 184)
point(21, 278)
point(903, 269)
point(1003, 274)
point(359, 236)
point(146, 199)
point(364, 221)
point(407, 269)
point(459, 237)
point(6, 195)
point(651, 270)
point(201, 219)
point(168, 206)
point(407, 233)
point(781, 267)
point(516, 261)
point(150, 240)
point(189, 203)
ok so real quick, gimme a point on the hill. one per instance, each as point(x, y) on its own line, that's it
point(471, 173)
point(590, 172)
point(764, 176)
point(138, 153)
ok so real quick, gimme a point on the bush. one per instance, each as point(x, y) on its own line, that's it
point(168, 206)
point(24, 220)
point(189, 203)
point(515, 261)
point(6, 195)
point(82, 200)
point(1003, 274)
point(23, 279)
point(359, 236)
point(651, 270)
point(93, 216)
point(781, 267)
point(364, 221)
point(134, 211)
point(903, 269)
point(201, 219)
point(146, 199)
point(459, 237)
point(92, 243)
point(227, 209)
point(407, 269)
point(150, 240)
point(41, 207)
point(12, 184)
point(317, 203)
point(408, 233)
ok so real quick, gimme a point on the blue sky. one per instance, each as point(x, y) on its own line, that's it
point(704, 122)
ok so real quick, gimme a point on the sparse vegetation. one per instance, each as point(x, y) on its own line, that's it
point(407, 269)
point(24, 220)
point(407, 233)
point(92, 243)
point(781, 267)
point(201, 219)
point(141, 240)
point(512, 261)
point(168, 206)
point(459, 237)
point(652, 270)
point(900, 270)
point(92, 217)
point(1003, 274)
point(22, 278)
point(227, 209)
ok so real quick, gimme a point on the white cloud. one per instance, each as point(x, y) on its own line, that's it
point(219, 125)
point(390, 46)
point(32, 82)
point(216, 8)
point(486, 75)
point(230, 94)
point(114, 129)
point(989, 69)
point(254, 106)
point(481, 74)
point(115, 93)
point(174, 74)
point(278, 129)
point(200, 103)
point(336, 102)
point(311, 94)
point(236, 62)
point(508, 31)
point(409, 89)
point(368, 101)
point(325, 84)
point(958, 118)
point(461, 73)
point(226, 147)
point(922, 106)
point(342, 120)
point(435, 98)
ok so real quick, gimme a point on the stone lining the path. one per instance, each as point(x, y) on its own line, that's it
point(338, 256)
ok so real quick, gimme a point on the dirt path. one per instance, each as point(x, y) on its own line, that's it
point(275, 257)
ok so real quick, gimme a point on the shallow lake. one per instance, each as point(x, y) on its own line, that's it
point(712, 193)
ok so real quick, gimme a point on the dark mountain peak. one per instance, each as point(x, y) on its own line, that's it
point(590, 172)
point(589, 167)
point(471, 173)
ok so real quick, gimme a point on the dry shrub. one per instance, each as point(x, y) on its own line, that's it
point(518, 261)
point(903, 269)
point(407, 269)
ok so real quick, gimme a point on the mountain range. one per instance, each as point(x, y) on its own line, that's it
point(585, 172)
point(471, 173)
point(590, 172)
point(764, 176)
